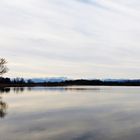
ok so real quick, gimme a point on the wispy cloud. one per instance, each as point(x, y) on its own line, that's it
point(77, 38)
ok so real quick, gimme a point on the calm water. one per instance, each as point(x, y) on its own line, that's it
point(73, 113)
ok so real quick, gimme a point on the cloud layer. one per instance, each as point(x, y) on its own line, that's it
point(77, 38)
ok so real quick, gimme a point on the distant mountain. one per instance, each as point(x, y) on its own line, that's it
point(51, 79)
point(62, 79)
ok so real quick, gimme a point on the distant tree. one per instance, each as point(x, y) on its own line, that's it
point(29, 81)
point(3, 67)
point(19, 81)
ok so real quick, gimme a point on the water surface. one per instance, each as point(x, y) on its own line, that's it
point(70, 113)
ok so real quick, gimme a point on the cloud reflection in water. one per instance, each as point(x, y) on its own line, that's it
point(71, 115)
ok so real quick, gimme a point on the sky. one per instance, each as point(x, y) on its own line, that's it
point(71, 38)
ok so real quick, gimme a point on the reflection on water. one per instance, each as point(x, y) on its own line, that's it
point(3, 108)
point(22, 89)
point(4, 90)
point(72, 113)
point(18, 89)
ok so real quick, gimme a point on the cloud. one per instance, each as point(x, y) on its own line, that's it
point(87, 1)
point(58, 37)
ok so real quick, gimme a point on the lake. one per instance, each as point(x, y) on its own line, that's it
point(70, 113)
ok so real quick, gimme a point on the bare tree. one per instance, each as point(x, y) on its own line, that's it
point(3, 67)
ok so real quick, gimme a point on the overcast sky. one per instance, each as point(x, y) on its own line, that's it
point(71, 38)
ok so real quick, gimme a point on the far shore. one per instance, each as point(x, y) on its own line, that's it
point(74, 83)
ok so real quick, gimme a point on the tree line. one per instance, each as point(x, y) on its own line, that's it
point(22, 82)
point(4, 69)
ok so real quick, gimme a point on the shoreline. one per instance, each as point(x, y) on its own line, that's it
point(65, 85)
point(80, 82)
